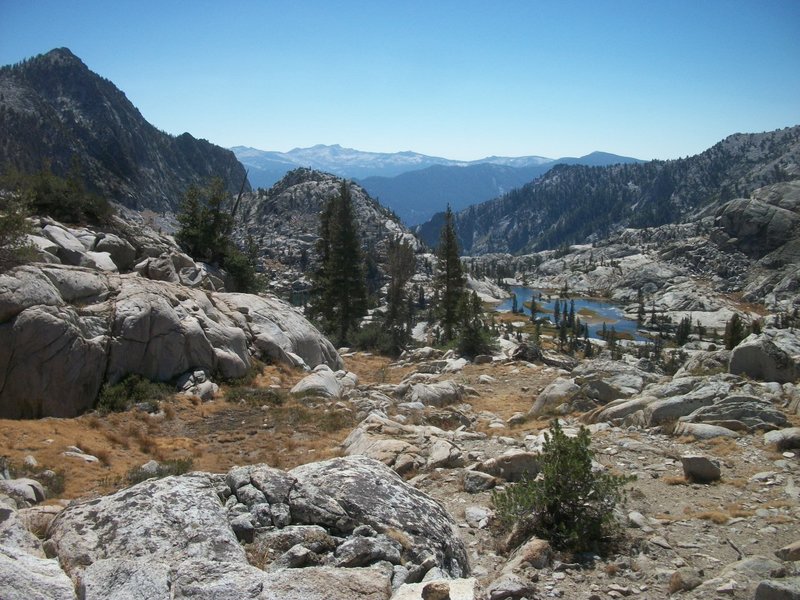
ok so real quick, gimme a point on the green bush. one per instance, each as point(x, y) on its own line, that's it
point(568, 504)
point(176, 466)
point(375, 337)
point(134, 389)
point(253, 396)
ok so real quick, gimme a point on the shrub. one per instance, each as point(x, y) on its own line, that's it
point(253, 396)
point(375, 337)
point(176, 466)
point(568, 503)
point(14, 226)
point(134, 389)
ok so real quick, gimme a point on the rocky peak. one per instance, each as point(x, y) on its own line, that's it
point(284, 220)
point(54, 106)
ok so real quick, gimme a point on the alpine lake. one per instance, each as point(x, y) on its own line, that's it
point(591, 311)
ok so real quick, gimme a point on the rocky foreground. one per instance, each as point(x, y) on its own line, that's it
point(713, 512)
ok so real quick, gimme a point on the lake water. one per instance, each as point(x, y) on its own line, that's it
point(603, 312)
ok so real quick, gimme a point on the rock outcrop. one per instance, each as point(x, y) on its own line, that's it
point(54, 107)
point(773, 355)
point(64, 330)
point(340, 529)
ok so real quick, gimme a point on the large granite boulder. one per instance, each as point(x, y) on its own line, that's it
point(168, 520)
point(51, 363)
point(755, 226)
point(773, 355)
point(342, 493)
point(25, 573)
point(345, 527)
point(65, 330)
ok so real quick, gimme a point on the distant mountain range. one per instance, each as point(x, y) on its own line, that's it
point(415, 186)
point(266, 167)
point(55, 111)
point(578, 204)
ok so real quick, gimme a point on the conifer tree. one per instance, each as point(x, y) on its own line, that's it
point(401, 264)
point(205, 234)
point(340, 291)
point(450, 282)
point(734, 332)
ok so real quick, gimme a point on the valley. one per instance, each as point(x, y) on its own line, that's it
point(241, 416)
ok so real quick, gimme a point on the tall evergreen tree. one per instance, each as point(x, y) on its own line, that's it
point(205, 234)
point(449, 281)
point(340, 291)
point(401, 264)
point(734, 331)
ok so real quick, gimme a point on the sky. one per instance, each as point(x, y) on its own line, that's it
point(458, 79)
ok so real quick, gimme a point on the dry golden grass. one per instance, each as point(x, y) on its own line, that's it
point(715, 516)
point(721, 446)
point(373, 368)
point(736, 511)
point(216, 435)
point(780, 520)
point(675, 480)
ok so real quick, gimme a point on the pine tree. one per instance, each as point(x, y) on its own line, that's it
point(340, 291)
point(450, 282)
point(401, 264)
point(557, 311)
point(683, 331)
point(734, 331)
point(206, 225)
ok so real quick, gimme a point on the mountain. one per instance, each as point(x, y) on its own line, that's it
point(268, 167)
point(413, 185)
point(417, 195)
point(578, 204)
point(284, 221)
point(54, 110)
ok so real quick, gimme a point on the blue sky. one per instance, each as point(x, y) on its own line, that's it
point(651, 79)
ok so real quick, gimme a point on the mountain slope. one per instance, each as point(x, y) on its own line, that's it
point(284, 221)
point(576, 204)
point(417, 195)
point(54, 110)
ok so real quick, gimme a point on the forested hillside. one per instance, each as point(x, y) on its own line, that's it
point(577, 204)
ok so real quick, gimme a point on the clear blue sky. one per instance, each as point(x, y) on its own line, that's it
point(460, 79)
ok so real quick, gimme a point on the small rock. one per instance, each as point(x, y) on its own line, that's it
point(637, 519)
point(661, 542)
point(510, 585)
point(779, 589)
point(728, 588)
point(80, 455)
point(684, 580)
point(783, 439)
point(477, 517)
point(700, 469)
point(30, 462)
point(477, 481)
point(436, 590)
point(517, 419)
point(790, 552)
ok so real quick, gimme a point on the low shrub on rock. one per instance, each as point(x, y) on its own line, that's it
point(132, 390)
point(568, 503)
